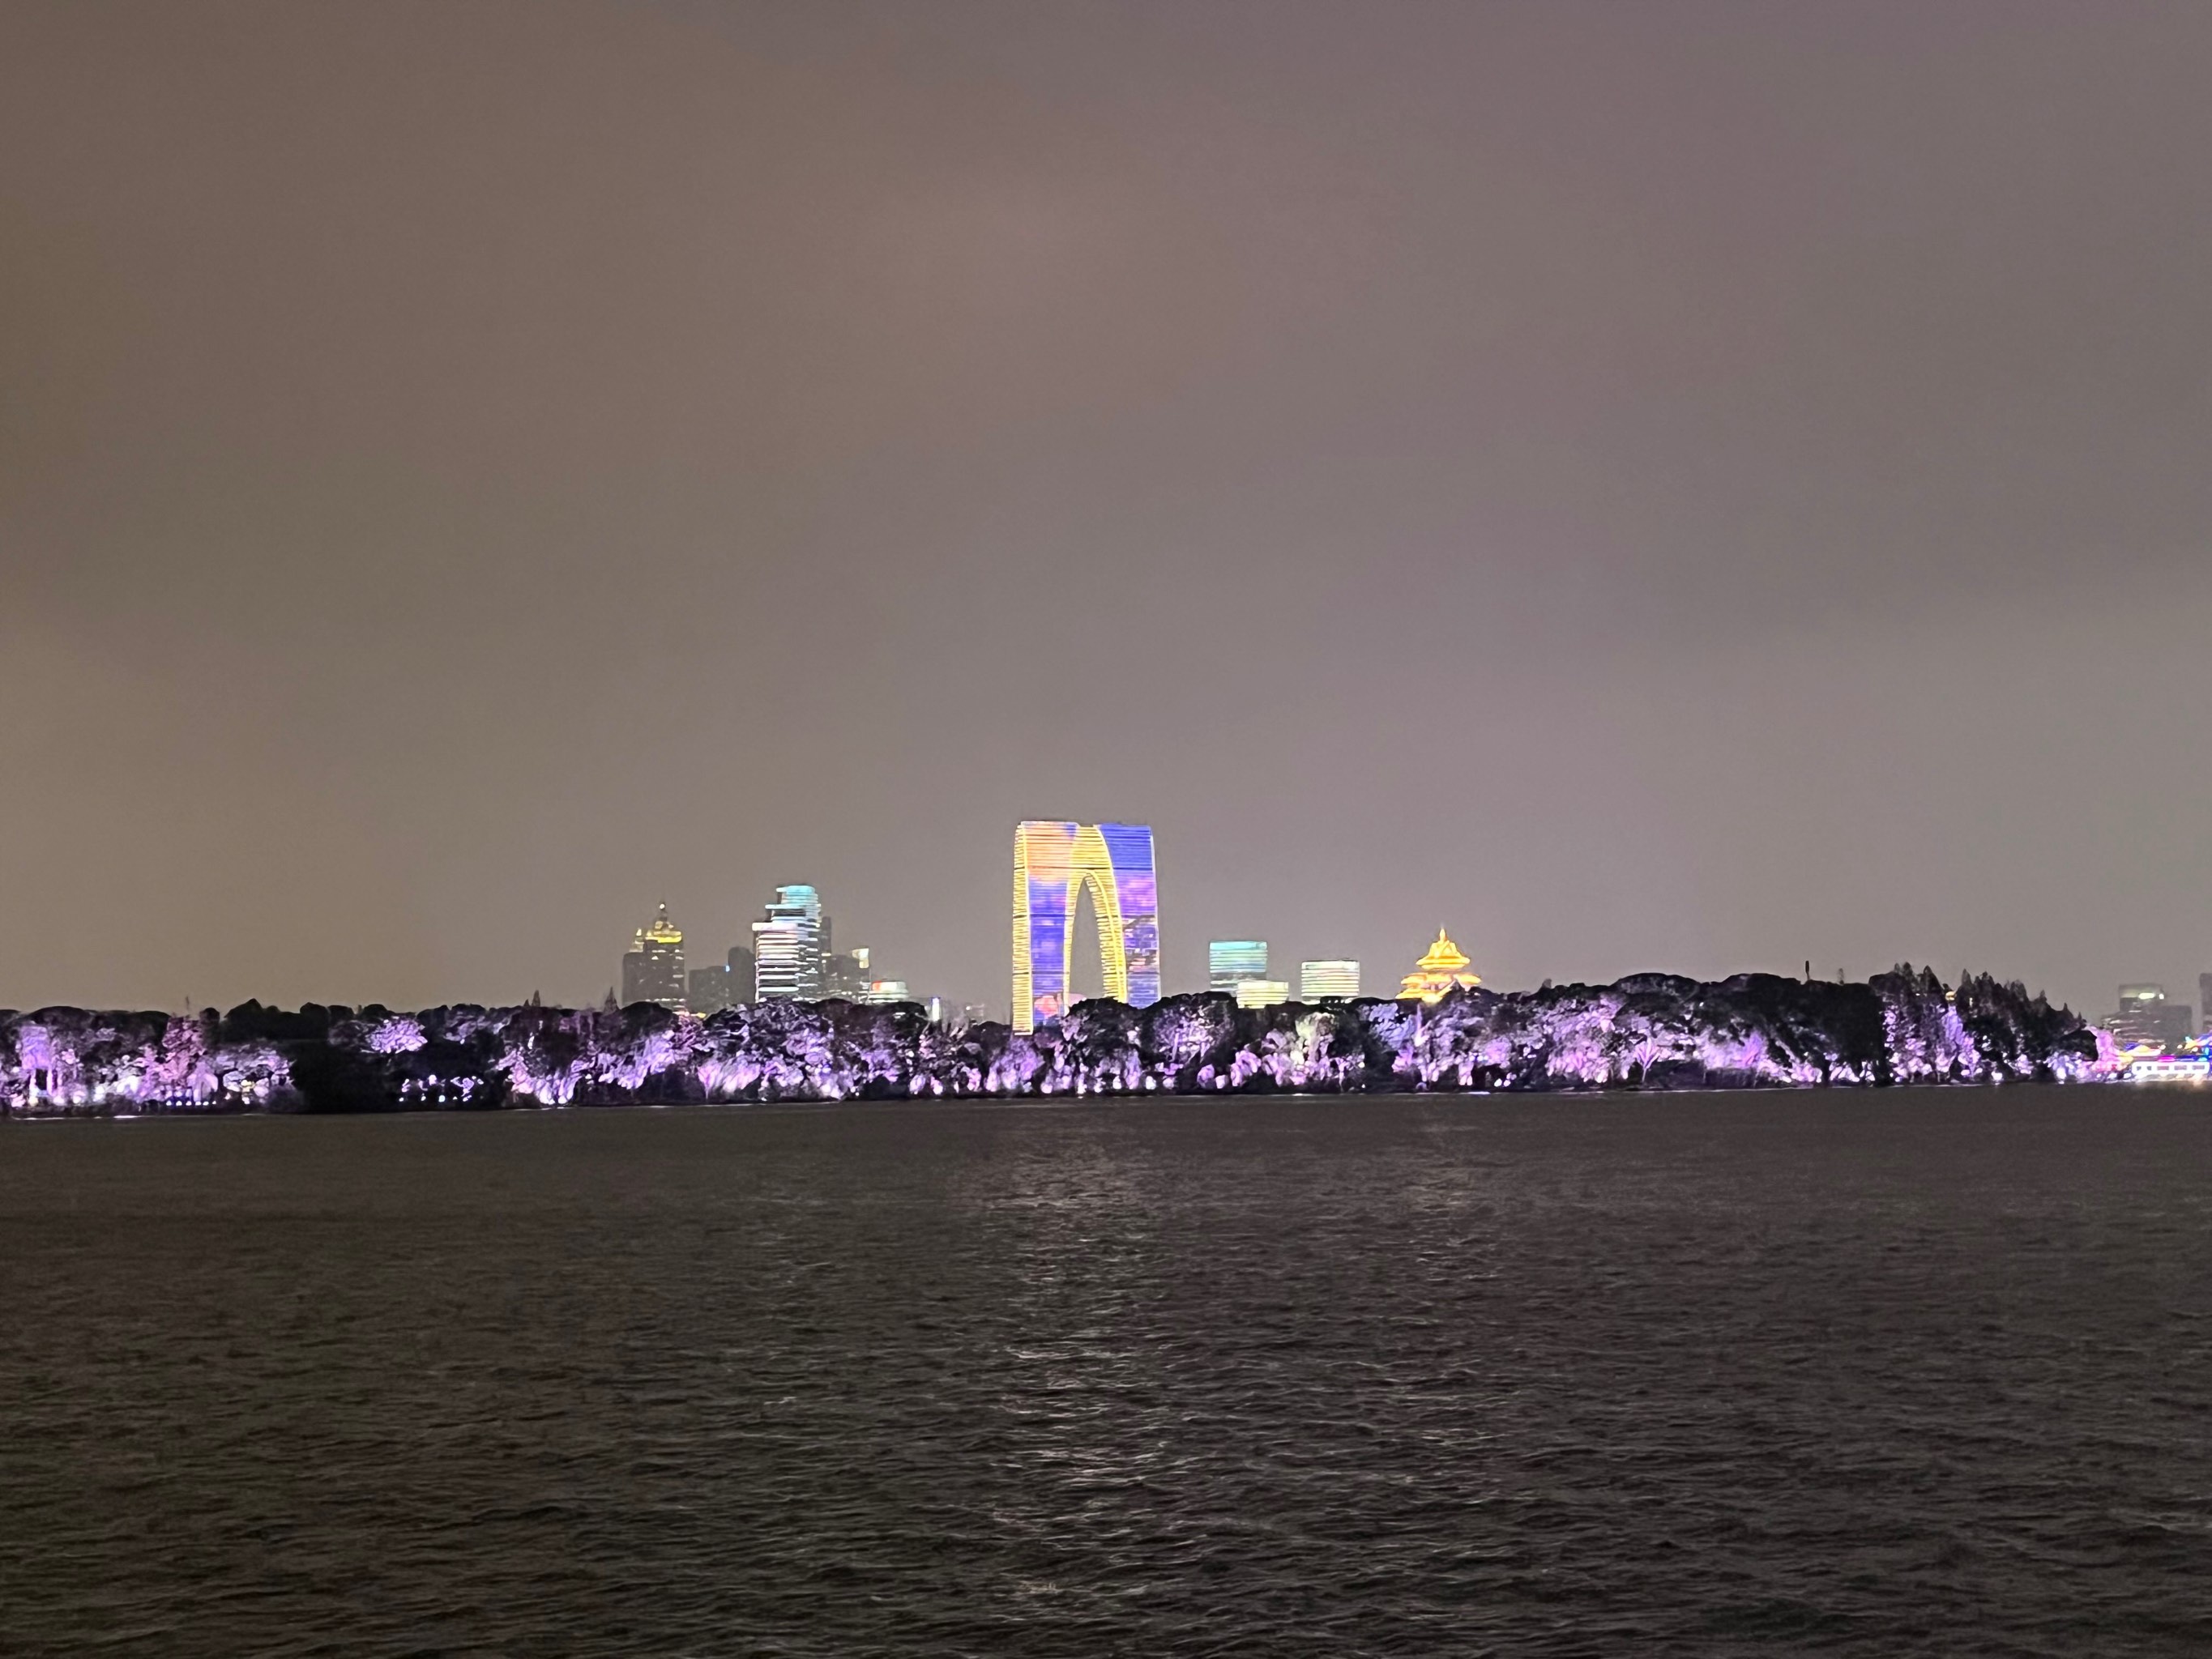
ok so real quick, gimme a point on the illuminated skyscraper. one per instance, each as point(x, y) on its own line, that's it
point(1323, 982)
point(788, 947)
point(1054, 864)
point(653, 967)
point(1230, 961)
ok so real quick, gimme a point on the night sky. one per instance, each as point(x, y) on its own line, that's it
point(1667, 486)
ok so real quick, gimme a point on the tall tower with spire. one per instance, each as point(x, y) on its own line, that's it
point(653, 967)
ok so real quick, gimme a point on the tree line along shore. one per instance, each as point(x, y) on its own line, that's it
point(1652, 1031)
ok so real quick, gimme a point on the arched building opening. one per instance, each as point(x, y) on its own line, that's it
point(1054, 864)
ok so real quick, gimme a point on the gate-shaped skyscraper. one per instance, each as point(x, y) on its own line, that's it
point(1053, 864)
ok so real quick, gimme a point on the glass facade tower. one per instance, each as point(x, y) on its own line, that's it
point(1054, 864)
point(1230, 961)
point(788, 945)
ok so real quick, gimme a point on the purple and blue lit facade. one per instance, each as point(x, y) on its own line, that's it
point(1053, 863)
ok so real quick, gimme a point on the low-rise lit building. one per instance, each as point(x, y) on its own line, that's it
point(2165, 1069)
point(1442, 969)
point(1262, 993)
point(1333, 981)
point(1230, 961)
point(2146, 1017)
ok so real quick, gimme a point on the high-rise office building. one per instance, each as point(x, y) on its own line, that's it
point(741, 975)
point(1262, 993)
point(788, 947)
point(2145, 1016)
point(653, 967)
point(847, 974)
point(1230, 961)
point(1326, 982)
point(1054, 863)
point(708, 989)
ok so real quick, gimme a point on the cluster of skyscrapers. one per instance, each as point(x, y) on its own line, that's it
point(790, 958)
point(1056, 863)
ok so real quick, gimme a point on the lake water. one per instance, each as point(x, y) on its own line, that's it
point(1855, 1373)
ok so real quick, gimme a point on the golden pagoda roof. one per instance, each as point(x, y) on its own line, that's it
point(1443, 956)
point(1439, 972)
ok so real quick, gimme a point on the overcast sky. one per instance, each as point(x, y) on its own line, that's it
point(1674, 486)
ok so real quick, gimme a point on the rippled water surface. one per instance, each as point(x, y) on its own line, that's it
point(1910, 1373)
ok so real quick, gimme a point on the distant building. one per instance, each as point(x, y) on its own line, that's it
point(2204, 998)
point(788, 947)
point(1230, 961)
point(708, 989)
point(653, 967)
point(848, 973)
point(2195, 1070)
point(974, 1013)
point(741, 975)
point(1443, 968)
point(1262, 993)
point(1328, 981)
point(881, 992)
point(2145, 1016)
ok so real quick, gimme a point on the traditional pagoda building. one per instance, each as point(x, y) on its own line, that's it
point(1443, 967)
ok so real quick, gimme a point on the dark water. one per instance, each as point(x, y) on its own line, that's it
point(1866, 1373)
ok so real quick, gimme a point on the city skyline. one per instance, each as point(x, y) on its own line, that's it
point(1065, 874)
point(2147, 1018)
point(1226, 960)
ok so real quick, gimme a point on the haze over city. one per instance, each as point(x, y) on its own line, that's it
point(1695, 489)
point(1324, 829)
